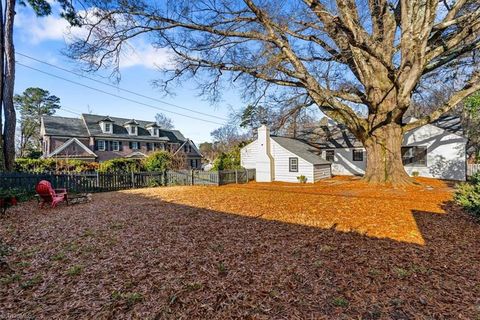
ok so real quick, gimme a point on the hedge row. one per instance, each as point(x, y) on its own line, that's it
point(157, 161)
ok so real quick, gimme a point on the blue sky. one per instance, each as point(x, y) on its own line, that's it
point(44, 39)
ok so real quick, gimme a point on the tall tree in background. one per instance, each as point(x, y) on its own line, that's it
point(163, 121)
point(472, 124)
point(360, 61)
point(33, 104)
point(225, 137)
point(7, 68)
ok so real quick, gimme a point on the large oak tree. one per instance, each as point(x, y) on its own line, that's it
point(359, 61)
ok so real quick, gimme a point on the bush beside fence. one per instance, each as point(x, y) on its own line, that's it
point(99, 182)
point(472, 169)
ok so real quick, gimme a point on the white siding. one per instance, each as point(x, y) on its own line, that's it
point(281, 164)
point(446, 154)
point(446, 157)
point(321, 171)
point(343, 163)
point(248, 155)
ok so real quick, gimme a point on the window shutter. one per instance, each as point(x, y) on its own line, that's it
point(95, 146)
point(130, 144)
point(120, 147)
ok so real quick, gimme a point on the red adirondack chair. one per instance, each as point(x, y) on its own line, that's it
point(49, 195)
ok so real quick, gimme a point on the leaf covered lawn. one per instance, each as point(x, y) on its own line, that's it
point(339, 249)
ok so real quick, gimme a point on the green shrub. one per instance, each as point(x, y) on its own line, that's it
point(302, 179)
point(228, 161)
point(121, 165)
point(158, 161)
point(468, 195)
point(53, 165)
point(19, 194)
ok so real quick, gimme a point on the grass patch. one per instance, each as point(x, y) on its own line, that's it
point(74, 270)
point(88, 233)
point(222, 269)
point(130, 298)
point(10, 279)
point(23, 264)
point(59, 256)
point(401, 272)
point(31, 282)
point(340, 302)
point(193, 286)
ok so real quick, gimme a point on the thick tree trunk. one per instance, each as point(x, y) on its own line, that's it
point(9, 108)
point(2, 76)
point(384, 157)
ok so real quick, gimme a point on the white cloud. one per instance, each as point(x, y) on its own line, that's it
point(144, 54)
point(35, 30)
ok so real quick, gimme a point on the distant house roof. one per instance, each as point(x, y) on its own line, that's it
point(88, 125)
point(301, 149)
point(62, 126)
point(340, 137)
point(119, 131)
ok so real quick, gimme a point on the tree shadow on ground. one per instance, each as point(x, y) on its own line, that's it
point(142, 257)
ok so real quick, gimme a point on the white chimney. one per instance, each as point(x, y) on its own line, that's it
point(264, 165)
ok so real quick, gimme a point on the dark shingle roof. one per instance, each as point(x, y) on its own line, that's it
point(340, 137)
point(449, 123)
point(302, 149)
point(120, 131)
point(63, 126)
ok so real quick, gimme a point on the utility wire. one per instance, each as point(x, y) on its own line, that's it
point(119, 88)
point(116, 95)
point(71, 111)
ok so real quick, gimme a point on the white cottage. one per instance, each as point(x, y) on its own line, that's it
point(283, 159)
point(436, 150)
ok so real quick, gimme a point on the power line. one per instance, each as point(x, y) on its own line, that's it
point(116, 95)
point(71, 111)
point(119, 88)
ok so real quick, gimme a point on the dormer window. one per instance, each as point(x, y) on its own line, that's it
point(106, 125)
point(132, 127)
point(153, 129)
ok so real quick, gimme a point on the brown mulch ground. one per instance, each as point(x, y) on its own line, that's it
point(339, 249)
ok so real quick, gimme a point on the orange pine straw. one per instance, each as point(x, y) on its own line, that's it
point(346, 204)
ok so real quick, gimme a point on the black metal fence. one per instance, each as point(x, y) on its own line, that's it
point(99, 182)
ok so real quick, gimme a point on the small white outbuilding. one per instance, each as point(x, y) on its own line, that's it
point(283, 159)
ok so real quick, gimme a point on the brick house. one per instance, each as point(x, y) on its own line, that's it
point(99, 138)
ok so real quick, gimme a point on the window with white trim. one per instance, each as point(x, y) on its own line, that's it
point(133, 130)
point(135, 145)
point(293, 164)
point(101, 145)
point(115, 146)
point(108, 127)
point(357, 155)
point(330, 155)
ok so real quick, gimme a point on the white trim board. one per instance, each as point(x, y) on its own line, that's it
point(69, 142)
